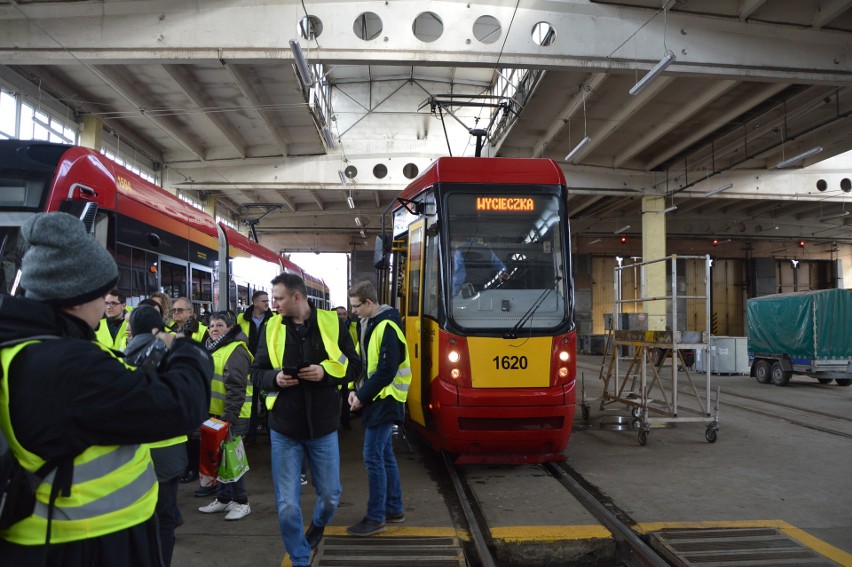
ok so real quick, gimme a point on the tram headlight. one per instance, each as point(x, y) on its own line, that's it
point(453, 356)
point(455, 373)
point(564, 356)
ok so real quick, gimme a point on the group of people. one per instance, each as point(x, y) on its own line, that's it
point(117, 396)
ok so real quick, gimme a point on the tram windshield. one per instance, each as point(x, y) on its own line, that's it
point(506, 260)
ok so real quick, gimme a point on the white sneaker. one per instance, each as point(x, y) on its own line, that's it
point(217, 506)
point(238, 511)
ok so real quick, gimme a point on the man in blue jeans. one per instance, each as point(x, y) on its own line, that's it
point(304, 355)
point(381, 392)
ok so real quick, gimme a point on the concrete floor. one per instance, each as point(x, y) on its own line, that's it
point(763, 470)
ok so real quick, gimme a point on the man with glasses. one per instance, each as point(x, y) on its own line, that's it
point(184, 321)
point(113, 330)
point(304, 356)
point(251, 321)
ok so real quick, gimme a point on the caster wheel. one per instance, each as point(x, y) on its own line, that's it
point(710, 434)
point(643, 437)
point(637, 412)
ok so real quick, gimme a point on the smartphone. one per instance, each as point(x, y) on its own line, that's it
point(294, 371)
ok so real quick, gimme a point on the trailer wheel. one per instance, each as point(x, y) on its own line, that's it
point(761, 371)
point(824, 380)
point(780, 377)
point(843, 381)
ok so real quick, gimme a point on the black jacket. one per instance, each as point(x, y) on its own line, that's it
point(311, 409)
point(254, 331)
point(67, 394)
point(391, 354)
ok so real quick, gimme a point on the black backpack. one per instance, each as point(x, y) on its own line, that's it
point(18, 485)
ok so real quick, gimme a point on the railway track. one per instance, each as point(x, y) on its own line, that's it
point(632, 551)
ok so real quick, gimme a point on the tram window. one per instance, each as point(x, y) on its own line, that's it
point(202, 287)
point(173, 278)
point(430, 276)
point(414, 260)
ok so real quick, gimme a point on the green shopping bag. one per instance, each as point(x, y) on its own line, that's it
point(234, 462)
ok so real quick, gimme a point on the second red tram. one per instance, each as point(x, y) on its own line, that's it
point(481, 267)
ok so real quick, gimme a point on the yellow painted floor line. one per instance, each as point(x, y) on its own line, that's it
point(835, 554)
point(549, 533)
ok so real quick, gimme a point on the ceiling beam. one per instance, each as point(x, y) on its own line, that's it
point(146, 107)
point(828, 10)
point(317, 200)
point(617, 120)
point(203, 102)
point(748, 7)
point(747, 103)
point(245, 85)
point(673, 120)
point(574, 105)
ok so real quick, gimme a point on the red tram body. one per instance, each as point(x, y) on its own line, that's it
point(481, 256)
point(159, 241)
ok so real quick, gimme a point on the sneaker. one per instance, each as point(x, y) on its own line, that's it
point(238, 511)
point(304, 479)
point(366, 527)
point(314, 535)
point(395, 518)
point(216, 506)
point(205, 491)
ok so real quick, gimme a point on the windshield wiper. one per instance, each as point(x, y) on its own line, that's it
point(513, 334)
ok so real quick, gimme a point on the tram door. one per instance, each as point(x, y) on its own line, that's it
point(413, 319)
point(173, 277)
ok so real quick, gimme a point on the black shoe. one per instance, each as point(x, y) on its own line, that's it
point(205, 491)
point(366, 527)
point(314, 535)
point(395, 518)
point(188, 477)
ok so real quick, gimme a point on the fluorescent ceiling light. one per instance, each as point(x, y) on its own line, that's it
point(622, 229)
point(668, 210)
point(801, 156)
point(778, 250)
point(595, 241)
point(667, 60)
point(358, 221)
point(343, 178)
point(301, 63)
point(719, 189)
point(577, 148)
point(350, 201)
point(833, 216)
point(363, 234)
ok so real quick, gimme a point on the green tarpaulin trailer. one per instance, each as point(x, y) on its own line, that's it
point(807, 333)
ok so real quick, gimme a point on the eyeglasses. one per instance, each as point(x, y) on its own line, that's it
point(180, 310)
point(357, 306)
point(112, 303)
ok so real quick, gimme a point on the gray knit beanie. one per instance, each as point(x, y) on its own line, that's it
point(64, 266)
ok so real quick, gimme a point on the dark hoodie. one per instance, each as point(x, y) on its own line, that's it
point(391, 355)
point(68, 394)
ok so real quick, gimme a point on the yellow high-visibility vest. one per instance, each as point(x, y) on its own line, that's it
point(217, 387)
point(114, 487)
point(399, 387)
point(104, 337)
point(329, 327)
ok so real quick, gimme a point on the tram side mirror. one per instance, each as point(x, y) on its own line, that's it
point(380, 252)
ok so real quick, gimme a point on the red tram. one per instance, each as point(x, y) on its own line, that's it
point(159, 242)
point(480, 263)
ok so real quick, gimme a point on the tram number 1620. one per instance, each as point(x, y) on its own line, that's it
point(510, 362)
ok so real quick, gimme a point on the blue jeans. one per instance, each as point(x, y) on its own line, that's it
point(324, 461)
point(382, 473)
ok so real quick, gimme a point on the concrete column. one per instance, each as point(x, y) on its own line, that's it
point(654, 247)
point(92, 135)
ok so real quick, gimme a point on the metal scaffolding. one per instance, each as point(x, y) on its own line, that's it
point(650, 349)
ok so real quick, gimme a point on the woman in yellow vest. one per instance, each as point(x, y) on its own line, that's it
point(63, 397)
point(381, 392)
point(230, 400)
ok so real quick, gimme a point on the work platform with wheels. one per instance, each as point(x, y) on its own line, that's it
point(642, 386)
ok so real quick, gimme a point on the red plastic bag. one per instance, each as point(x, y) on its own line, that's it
point(213, 434)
